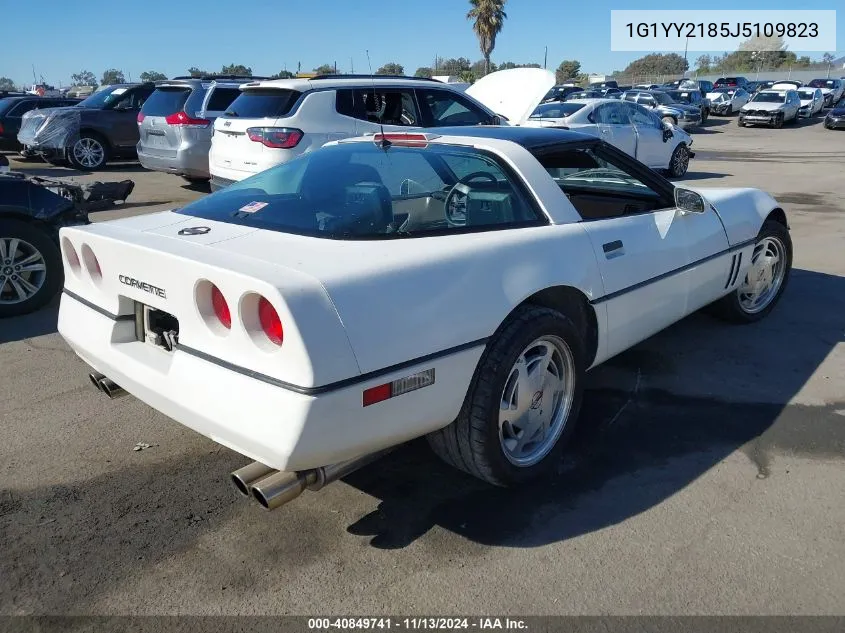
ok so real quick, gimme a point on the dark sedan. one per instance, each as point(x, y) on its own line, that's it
point(12, 110)
point(835, 119)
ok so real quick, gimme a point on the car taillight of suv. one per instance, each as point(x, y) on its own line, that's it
point(182, 119)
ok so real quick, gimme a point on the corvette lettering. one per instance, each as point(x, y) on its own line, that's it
point(143, 285)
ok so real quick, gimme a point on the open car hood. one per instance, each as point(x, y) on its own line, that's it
point(513, 93)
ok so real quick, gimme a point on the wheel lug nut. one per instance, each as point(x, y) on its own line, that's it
point(14, 277)
point(17, 267)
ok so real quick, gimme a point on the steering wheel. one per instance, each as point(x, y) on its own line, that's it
point(456, 214)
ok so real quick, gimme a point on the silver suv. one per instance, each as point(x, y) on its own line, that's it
point(177, 121)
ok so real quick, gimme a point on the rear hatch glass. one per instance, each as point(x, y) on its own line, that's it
point(165, 101)
point(262, 103)
point(221, 98)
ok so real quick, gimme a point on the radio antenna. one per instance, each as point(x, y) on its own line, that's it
point(384, 142)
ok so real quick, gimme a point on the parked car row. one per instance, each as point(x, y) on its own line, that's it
point(224, 128)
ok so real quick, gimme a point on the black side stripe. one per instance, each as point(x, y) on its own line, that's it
point(309, 391)
point(661, 277)
point(736, 273)
point(731, 272)
point(333, 386)
point(96, 308)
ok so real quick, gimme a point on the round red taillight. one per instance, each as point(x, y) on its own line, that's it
point(221, 308)
point(92, 264)
point(71, 255)
point(270, 321)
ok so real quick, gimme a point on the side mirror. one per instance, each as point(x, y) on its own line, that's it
point(689, 201)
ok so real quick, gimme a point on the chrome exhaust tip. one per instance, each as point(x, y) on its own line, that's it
point(95, 379)
point(278, 489)
point(111, 388)
point(250, 474)
point(281, 487)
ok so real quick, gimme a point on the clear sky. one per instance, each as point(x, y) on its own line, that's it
point(61, 37)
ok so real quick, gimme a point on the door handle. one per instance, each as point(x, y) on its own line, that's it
point(613, 249)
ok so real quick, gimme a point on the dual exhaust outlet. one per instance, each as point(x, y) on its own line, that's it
point(106, 385)
point(273, 488)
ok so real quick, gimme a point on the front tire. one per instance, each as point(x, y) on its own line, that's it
point(679, 162)
point(761, 289)
point(90, 152)
point(523, 401)
point(30, 268)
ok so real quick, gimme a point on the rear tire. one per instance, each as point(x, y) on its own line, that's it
point(738, 307)
point(33, 271)
point(543, 400)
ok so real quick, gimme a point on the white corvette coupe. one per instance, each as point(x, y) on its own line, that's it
point(455, 284)
point(635, 130)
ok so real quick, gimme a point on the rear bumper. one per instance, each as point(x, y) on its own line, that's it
point(188, 161)
point(268, 423)
point(218, 183)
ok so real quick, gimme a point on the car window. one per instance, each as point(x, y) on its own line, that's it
point(610, 114)
point(132, 99)
point(647, 99)
point(360, 191)
point(425, 178)
point(166, 101)
point(445, 107)
point(599, 187)
point(259, 103)
point(25, 106)
point(558, 110)
point(641, 117)
point(221, 98)
point(378, 105)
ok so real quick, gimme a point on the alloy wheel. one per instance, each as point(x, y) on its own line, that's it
point(22, 270)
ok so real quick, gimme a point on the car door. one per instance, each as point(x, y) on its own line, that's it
point(390, 109)
point(120, 122)
point(657, 262)
point(615, 127)
point(653, 148)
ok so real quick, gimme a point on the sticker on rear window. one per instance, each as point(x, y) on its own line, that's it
point(252, 207)
point(119, 91)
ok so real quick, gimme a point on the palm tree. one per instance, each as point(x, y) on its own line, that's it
point(489, 16)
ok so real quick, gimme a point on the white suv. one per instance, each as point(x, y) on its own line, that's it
point(273, 121)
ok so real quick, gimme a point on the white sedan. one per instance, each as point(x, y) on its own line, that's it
point(726, 101)
point(634, 129)
point(317, 313)
point(812, 102)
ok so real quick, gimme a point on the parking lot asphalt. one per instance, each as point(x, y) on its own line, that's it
point(707, 476)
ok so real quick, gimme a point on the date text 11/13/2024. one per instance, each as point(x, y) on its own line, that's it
point(417, 623)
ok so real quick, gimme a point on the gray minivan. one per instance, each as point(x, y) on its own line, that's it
point(177, 121)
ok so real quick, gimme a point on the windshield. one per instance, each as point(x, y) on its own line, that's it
point(103, 98)
point(807, 94)
point(821, 83)
point(360, 191)
point(556, 110)
point(663, 98)
point(680, 96)
point(769, 97)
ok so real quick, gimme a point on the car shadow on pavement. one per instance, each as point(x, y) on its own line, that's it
point(700, 175)
point(38, 323)
point(637, 444)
